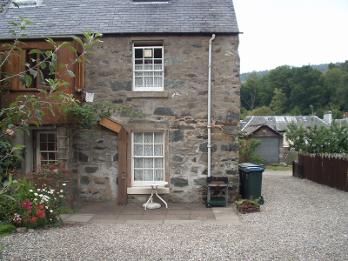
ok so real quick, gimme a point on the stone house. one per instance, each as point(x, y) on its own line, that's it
point(155, 58)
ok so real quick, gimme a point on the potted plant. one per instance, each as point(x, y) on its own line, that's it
point(247, 206)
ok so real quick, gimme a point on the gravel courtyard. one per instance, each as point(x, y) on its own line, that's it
point(300, 220)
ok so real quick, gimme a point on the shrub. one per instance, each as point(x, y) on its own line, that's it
point(247, 151)
point(333, 139)
point(30, 206)
point(6, 229)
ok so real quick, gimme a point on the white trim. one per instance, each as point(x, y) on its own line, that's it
point(38, 151)
point(246, 125)
point(146, 190)
point(148, 183)
point(161, 88)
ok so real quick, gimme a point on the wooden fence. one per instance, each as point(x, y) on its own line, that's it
point(325, 169)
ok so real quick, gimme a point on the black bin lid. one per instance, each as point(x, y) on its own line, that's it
point(250, 167)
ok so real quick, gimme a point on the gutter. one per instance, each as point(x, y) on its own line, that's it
point(209, 105)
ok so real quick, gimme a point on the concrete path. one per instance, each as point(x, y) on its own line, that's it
point(110, 213)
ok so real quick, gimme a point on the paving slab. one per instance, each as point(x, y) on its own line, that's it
point(78, 218)
point(181, 222)
point(144, 222)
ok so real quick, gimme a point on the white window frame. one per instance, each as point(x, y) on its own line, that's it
point(161, 88)
point(38, 151)
point(148, 183)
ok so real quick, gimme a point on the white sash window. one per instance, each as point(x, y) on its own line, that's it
point(147, 158)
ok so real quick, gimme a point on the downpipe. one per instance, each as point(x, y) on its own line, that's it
point(209, 105)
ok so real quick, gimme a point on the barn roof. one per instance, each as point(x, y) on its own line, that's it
point(279, 123)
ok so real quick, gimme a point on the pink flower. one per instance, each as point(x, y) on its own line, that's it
point(27, 204)
point(17, 219)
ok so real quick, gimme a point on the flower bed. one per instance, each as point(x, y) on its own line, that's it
point(24, 204)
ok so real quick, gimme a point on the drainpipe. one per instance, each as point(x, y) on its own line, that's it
point(209, 106)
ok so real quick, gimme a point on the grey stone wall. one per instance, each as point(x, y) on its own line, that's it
point(181, 110)
point(95, 160)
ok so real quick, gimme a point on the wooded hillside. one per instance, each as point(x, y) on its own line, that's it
point(296, 91)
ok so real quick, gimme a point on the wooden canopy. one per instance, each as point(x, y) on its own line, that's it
point(122, 149)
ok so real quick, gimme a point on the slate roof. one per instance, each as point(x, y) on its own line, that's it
point(278, 123)
point(71, 17)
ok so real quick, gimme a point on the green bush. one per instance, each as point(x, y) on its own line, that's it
point(6, 229)
point(322, 139)
point(24, 204)
point(247, 151)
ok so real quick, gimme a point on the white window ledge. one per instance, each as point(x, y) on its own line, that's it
point(145, 190)
point(147, 94)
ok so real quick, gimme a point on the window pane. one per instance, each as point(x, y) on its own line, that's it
point(51, 137)
point(148, 138)
point(138, 163)
point(158, 163)
point(52, 156)
point(138, 174)
point(159, 175)
point(43, 146)
point(148, 163)
point(138, 53)
point(44, 156)
point(148, 64)
point(148, 175)
point(148, 82)
point(148, 53)
point(148, 150)
point(138, 138)
point(47, 68)
point(138, 67)
point(138, 82)
point(43, 137)
point(158, 150)
point(158, 53)
point(51, 146)
point(158, 137)
point(31, 60)
point(157, 79)
point(138, 150)
point(158, 65)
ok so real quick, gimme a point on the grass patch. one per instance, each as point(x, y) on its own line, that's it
point(279, 167)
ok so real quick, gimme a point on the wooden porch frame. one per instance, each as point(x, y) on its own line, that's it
point(122, 149)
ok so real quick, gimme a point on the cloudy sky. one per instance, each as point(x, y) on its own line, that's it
point(292, 32)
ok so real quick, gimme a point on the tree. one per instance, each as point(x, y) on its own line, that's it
point(261, 111)
point(279, 101)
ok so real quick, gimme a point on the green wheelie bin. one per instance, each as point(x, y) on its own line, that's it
point(250, 178)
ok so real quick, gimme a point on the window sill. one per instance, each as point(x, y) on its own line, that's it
point(145, 190)
point(147, 94)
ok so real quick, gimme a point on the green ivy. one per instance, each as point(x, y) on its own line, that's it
point(88, 114)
